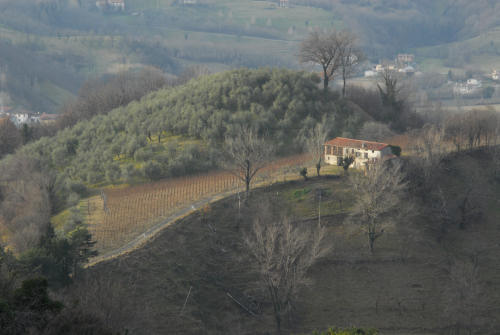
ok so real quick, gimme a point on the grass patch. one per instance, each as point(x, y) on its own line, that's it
point(300, 194)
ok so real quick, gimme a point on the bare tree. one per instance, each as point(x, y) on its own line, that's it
point(247, 154)
point(100, 96)
point(315, 140)
point(25, 205)
point(323, 49)
point(473, 129)
point(430, 146)
point(463, 295)
point(380, 198)
point(350, 55)
point(10, 137)
point(283, 253)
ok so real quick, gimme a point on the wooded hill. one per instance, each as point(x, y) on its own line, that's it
point(171, 132)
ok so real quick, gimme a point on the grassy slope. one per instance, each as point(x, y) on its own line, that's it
point(485, 63)
point(398, 290)
point(100, 55)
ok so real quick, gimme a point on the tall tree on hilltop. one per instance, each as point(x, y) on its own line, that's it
point(350, 56)
point(323, 49)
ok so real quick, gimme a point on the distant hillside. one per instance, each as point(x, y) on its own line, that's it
point(76, 40)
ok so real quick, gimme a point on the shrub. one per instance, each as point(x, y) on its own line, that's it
point(129, 172)
point(113, 173)
point(143, 154)
point(303, 173)
point(78, 188)
point(396, 150)
point(153, 170)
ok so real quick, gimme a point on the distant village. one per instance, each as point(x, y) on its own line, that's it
point(20, 116)
point(111, 5)
point(406, 64)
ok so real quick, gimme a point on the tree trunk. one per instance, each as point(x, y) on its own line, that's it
point(325, 79)
point(318, 167)
point(372, 241)
point(343, 87)
point(247, 178)
point(278, 324)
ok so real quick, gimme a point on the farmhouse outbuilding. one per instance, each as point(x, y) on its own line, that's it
point(363, 152)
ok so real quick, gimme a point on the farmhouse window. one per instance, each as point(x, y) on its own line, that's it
point(358, 154)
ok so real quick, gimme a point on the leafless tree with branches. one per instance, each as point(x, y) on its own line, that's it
point(247, 153)
point(463, 295)
point(283, 252)
point(323, 49)
point(314, 141)
point(381, 198)
point(350, 56)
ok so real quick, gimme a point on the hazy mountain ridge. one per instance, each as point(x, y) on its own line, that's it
point(79, 41)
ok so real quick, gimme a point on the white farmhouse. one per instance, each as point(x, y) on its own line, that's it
point(20, 118)
point(363, 152)
point(472, 86)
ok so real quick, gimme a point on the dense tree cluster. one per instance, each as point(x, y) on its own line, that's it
point(10, 137)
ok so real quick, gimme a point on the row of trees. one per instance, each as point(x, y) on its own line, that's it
point(473, 129)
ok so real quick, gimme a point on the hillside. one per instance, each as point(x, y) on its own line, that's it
point(408, 286)
point(177, 126)
point(173, 132)
point(75, 41)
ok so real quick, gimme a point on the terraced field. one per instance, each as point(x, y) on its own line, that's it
point(119, 216)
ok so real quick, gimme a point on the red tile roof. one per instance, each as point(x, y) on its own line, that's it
point(359, 144)
point(48, 117)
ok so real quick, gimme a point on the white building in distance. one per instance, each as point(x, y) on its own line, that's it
point(363, 152)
